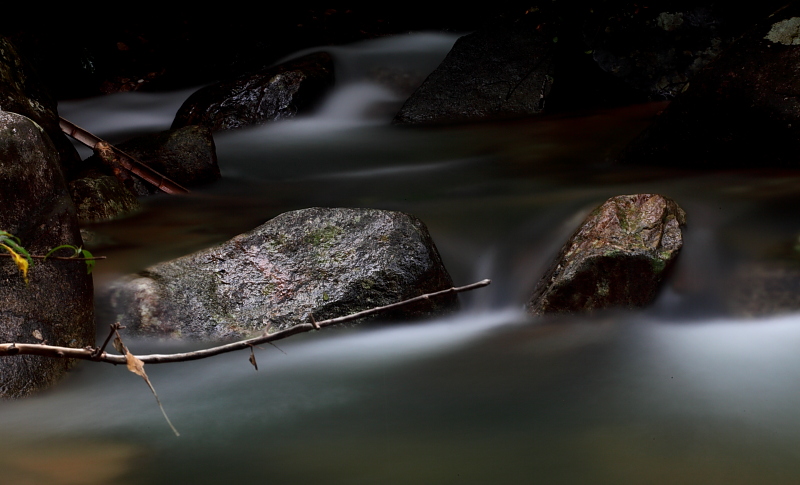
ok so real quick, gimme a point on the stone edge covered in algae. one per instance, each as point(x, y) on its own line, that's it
point(616, 258)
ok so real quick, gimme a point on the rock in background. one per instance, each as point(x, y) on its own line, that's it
point(617, 257)
point(22, 92)
point(321, 262)
point(186, 155)
point(742, 110)
point(56, 307)
point(505, 70)
point(279, 92)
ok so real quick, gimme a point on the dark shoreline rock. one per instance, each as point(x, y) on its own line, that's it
point(319, 261)
point(616, 258)
point(502, 71)
point(741, 111)
point(57, 305)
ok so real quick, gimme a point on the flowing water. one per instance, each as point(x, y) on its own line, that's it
point(679, 393)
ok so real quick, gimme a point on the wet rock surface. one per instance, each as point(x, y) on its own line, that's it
point(742, 110)
point(501, 71)
point(617, 257)
point(100, 198)
point(279, 92)
point(319, 261)
point(186, 155)
point(57, 305)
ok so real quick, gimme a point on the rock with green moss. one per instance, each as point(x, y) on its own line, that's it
point(101, 198)
point(320, 261)
point(56, 306)
point(617, 258)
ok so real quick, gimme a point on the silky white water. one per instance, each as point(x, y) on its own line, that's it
point(682, 392)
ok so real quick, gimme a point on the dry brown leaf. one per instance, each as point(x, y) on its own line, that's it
point(136, 366)
point(253, 358)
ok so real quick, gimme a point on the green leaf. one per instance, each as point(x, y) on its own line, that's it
point(75, 250)
point(89, 263)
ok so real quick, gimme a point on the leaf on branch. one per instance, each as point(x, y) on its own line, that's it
point(77, 251)
point(253, 358)
point(136, 366)
point(22, 263)
point(89, 261)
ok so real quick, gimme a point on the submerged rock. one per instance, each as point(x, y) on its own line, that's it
point(763, 288)
point(279, 92)
point(502, 71)
point(56, 306)
point(617, 257)
point(319, 261)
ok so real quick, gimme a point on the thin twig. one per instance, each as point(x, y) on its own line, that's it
point(87, 354)
point(99, 350)
point(62, 258)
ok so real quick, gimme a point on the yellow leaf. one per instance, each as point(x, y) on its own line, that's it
point(22, 263)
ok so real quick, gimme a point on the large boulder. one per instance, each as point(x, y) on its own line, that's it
point(319, 261)
point(616, 258)
point(742, 110)
point(56, 306)
point(279, 92)
point(505, 70)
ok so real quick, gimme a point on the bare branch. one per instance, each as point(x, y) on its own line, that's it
point(62, 258)
point(9, 349)
point(128, 162)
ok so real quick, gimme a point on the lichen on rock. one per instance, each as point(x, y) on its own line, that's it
point(785, 32)
point(320, 262)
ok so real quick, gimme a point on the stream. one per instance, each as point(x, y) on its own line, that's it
point(680, 392)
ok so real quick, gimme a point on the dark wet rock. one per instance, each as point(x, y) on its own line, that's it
point(100, 198)
point(325, 262)
point(186, 155)
point(658, 49)
point(501, 71)
point(742, 110)
point(57, 305)
point(279, 92)
point(22, 92)
point(617, 258)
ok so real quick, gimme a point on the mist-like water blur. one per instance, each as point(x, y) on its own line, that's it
point(678, 393)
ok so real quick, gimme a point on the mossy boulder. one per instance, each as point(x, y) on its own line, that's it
point(320, 261)
point(617, 258)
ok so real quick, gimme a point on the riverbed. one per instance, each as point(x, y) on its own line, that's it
point(685, 391)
